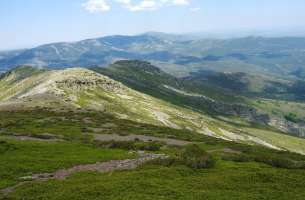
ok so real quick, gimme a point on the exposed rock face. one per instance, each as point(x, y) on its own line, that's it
point(89, 83)
point(246, 112)
point(74, 79)
point(253, 115)
point(243, 111)
point(298, 129)
point(249, 113)
point(82, 79)
point(222, 108)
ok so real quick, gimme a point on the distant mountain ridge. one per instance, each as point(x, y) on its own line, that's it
point(84, 53)
point(180, 54)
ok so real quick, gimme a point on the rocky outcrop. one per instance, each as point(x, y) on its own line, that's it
point(243, 111)
point(246, 112)
point(297, 129)
point(89, 84)
point(221, 108)
point(82, 79)
point(253, 115)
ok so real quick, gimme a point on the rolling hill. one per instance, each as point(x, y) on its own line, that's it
point(83, 90)
point(132, 129)
point(218, 94)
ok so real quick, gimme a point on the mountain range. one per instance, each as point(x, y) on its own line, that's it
point(176, 54)
point(154, 116)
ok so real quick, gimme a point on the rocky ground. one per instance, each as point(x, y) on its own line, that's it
point(102, 167)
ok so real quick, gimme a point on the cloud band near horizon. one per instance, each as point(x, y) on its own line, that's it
point(95, 6)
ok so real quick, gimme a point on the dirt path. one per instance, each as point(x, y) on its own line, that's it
point(144, 138)
point(29, 138)
point(99, 167)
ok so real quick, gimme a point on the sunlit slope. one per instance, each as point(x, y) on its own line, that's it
point(84, 90)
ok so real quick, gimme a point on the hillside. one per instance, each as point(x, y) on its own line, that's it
point(76, 129)
point(80, 89)
point(217, 94)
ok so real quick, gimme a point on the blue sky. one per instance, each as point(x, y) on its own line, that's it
point(26, 23)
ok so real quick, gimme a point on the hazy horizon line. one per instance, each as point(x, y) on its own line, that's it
point(200, 35)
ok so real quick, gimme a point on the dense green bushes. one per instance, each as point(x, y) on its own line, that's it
point(130, 145)
point(274, 158)
point(292, 117)
point(237, 158)
point(5, 146)
point(280, 162)
point(197, 158)
point(191, 156)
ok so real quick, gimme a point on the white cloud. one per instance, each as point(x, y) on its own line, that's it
point(132, 5)
point(151, 4)
point(181, 2)
point(196, 9)
point(142, 5)
point(94, 6)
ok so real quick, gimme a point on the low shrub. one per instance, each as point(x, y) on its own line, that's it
point(194, 157)
point(166, 162)
point(148, 146)
point(278, 159)
point(5, 146)
point(191, 156)
point(237, 158)
point(278, 162)
point(292, 117)
point(130, 145)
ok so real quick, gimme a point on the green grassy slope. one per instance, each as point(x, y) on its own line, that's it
point(84, 89)
point(23, 158)
point(145, 77)
point(227, 181)
point(241, 171)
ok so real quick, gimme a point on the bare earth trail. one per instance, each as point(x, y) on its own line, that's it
point(144, 138)
point(102, 167)
point(102, 137)
point(29, 138)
